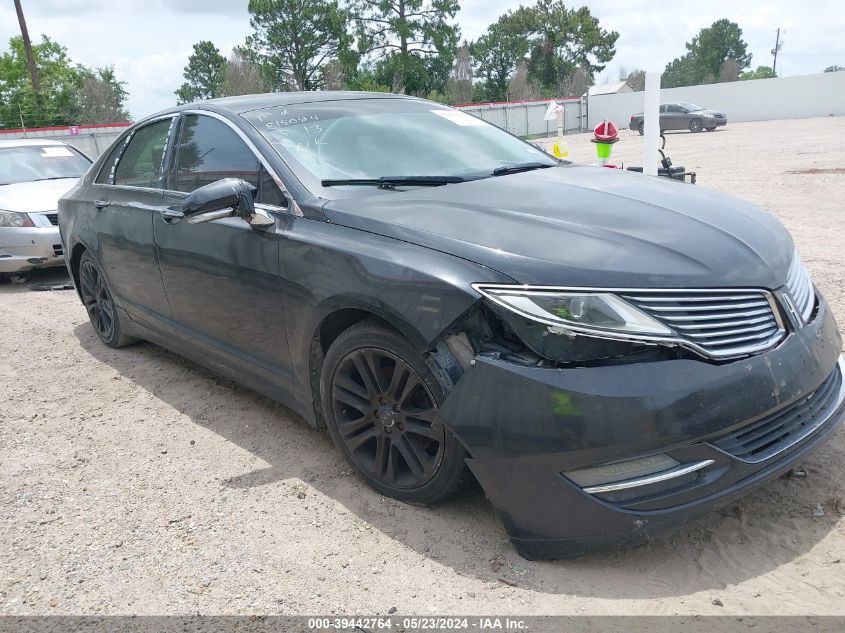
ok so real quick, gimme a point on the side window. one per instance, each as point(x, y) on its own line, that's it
point(210, 150)
point(674, 108)
point(107, 170)
point(663, 109)
point(140, 165)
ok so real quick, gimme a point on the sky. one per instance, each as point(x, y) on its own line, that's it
point(149, 41)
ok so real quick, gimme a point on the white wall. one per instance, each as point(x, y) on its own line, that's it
point(92, 140)
point(754, 100)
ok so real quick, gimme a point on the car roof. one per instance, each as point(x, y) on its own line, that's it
point(23, 142)
point(247, 103)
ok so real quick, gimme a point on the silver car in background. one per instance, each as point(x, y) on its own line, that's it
point(34, 174)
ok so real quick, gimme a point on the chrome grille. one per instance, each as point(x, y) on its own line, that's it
point(53, 217)
point(719, 323)
point(799, 288)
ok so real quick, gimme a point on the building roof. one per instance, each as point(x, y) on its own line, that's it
point(609, 89)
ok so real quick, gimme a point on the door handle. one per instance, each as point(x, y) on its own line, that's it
point(99, 205)
point(171, 215)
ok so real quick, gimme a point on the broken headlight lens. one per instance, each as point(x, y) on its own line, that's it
point(566, 311)
point(12, 219)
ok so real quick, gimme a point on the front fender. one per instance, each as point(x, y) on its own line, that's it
point(326, 267)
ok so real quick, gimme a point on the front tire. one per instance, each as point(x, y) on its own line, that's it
point(381, 405)
point(696, 126)
point(98, 302)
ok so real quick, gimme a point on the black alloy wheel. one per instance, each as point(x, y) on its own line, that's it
point(380, 408)
point(96, 299)
point(387, 418)
point(695, 125)
point(98, 302)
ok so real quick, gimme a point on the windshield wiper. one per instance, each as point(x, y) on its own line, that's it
point(388, 182)
point(515, 169)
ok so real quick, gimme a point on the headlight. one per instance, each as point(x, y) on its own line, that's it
point(12, 219)
point(570, 311)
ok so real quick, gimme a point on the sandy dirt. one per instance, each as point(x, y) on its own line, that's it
point(132, 481)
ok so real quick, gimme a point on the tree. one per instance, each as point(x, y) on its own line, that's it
point(459, 86)
point(366, 81)
point(834, 69)
point(293, 38)
point(521, 85)
point(761, 72)
point(59, 83)
point(203, 74)
point(101, 97)
point(242, 76)
point(706, 55)
point(562, 41)
point(635, 78)
point(496, 55)
point(729, 70)
point(405, 37)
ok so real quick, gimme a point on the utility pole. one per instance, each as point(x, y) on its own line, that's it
point(27, 45)
point(775, 53)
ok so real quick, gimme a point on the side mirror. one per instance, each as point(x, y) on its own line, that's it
point(220, 199)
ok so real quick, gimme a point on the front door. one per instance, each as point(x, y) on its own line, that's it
point(128, 197)
point(222, 276)
point(675, 117)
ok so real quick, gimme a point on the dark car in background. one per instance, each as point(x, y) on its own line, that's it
point(683, 116)
point(610, 355)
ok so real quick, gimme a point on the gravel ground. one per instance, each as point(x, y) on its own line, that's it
point(132, 481)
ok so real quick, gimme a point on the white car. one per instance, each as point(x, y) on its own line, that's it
point(34, 174)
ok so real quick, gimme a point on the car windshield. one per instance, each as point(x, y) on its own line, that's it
point(691, 107)
point(26, 163)
point(389, 138)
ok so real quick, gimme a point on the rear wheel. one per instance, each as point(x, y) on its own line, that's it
point(381, 407)
point(696, 125)
point(641, 128)
point(98, 302)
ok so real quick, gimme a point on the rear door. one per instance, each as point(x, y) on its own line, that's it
point(127, 198)
point(222, 276)
point(663, 120)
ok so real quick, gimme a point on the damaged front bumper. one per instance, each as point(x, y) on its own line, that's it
point(25, 248)
point(728, 428)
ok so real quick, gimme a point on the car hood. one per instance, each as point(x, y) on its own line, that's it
point(707, 111)
point(585, 226)
point(35, 196)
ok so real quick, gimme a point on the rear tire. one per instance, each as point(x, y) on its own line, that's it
point(96, 296)
point(641, 128)
point(381, 405)
point(696, 126)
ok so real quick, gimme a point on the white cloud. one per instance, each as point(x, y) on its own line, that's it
point(148, 41)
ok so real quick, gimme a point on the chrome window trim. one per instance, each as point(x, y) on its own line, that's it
point(293, 207)
point(735, 352)
point(126, 141)
point(645, 480)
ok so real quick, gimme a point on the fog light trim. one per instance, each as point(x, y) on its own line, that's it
point(680, 471)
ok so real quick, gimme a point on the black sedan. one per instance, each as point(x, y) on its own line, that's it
point(683, 116)
point(608, 354)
